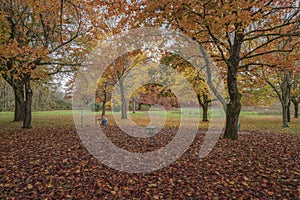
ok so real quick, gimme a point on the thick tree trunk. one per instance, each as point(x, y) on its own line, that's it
point(285, 99)
point(232, 119)
point(18, 88)
point(204, 105)
point(234, 106)
point(103, 107)
point(295, 101)
point(285, 116)
point(123, 106)
point(205, 112)
point(296, 109)
point(28, 103)
point(19, 102)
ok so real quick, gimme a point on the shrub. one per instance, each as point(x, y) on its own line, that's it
point(64, 104)
point(95, 106)
point(52, 105)
point(116, 107)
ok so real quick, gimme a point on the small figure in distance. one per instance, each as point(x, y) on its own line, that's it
point(104, 121)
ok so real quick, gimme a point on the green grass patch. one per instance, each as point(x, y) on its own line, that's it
point(268, 124)
point(250, 121)
point(39, 119)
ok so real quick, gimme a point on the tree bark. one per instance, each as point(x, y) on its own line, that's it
point(289, 112)
point(285, 116)
point(19, 102)
point(232, 119)
point(18, 88)
point(28, 103)
point(296, 107)
point(295, 101)
point(123, 104)
point(209, 77)
point(103, 103)
point(133, 106)
point(4, 100)
point(205, 113)
point(204, 105)
point(285, 99)
point(234, 106)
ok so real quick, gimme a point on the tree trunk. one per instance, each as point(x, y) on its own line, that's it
point(289, 112)
point(19, 102)
point(18, 88)
point(295, 101)
point(232, 119)
point(103, 108)
point(28, 103)
point(209, 77)
point(285, 116)
point(133, 106)
point(204, 105)
point(205, 113)
point(123, 106)
point(296, 107)
point(103, 103)
point(285, 96)
point(234, 106)
point(3, 94)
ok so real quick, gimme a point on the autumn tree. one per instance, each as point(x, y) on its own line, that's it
point(295, 93)
point(285, 84)
point(226, 29)
point(280, 70)
point(103, 91)
point(119, 71)
point(280, 82)
point(254, 89)
point(194, 77)
point(38, 39)
point(156, 94)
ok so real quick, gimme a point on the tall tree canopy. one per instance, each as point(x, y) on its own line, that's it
point(41, 38)
point(236, 33)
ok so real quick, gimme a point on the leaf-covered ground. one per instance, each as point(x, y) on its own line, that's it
point(52, 163)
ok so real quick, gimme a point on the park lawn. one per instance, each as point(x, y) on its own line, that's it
point(269, 124)
point(40, 119)
point(250, 121)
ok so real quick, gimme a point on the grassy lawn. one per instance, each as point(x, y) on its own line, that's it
point(250, 121)
point(268, 124)
point(39, 120)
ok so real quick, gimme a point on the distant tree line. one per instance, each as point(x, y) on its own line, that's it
point(46, 97)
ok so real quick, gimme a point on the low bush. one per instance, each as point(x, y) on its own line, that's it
point(95, 106)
